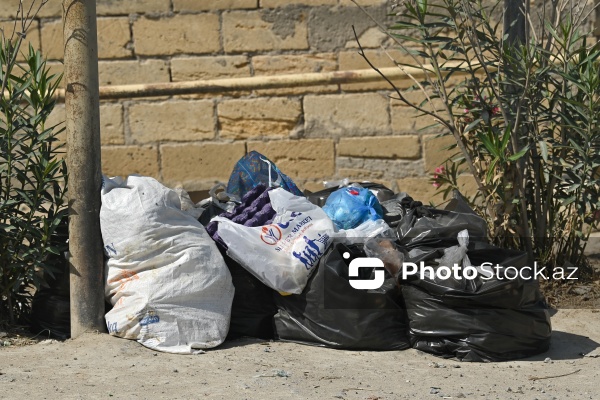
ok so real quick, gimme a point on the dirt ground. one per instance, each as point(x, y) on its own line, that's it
point(96, 366)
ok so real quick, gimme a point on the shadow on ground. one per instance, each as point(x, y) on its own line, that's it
point(567, 346)
point(564, 346)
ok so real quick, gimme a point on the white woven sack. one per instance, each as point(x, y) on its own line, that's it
point(168, 283)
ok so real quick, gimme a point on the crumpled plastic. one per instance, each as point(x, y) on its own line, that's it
point(331, 313)
point(425, 226)
point(477, 319)
point(363, 232)
point(350, 206)
point(168, 284)
point(254, 169)
point(457, 254)
point(284, 253)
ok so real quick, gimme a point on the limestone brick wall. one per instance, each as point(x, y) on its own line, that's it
point(312, 134)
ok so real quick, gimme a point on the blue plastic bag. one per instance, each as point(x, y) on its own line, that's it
point(254, 169)
point(350, 206)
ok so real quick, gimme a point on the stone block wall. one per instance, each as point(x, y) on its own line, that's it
point(313, 134)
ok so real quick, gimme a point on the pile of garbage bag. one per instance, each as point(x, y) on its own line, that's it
point(354, 266)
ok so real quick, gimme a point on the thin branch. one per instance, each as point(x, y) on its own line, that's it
point(394, 87)
point(19, 12)
point(537, 378)
point(450, 126)
point(383, 29)
point(401, 67)
point(30, 18)
point(531, 27)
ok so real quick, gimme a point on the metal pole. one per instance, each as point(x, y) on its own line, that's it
point(260, 82)
point(83, 162)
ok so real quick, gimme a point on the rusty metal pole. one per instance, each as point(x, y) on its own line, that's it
point(83, 162)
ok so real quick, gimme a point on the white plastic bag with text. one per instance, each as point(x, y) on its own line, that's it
point(285, 253)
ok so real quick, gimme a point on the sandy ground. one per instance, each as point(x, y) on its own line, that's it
point(97, 366)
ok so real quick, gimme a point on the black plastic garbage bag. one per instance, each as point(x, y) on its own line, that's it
point(253, 304)
point(426, 226)
point(51, 315)
point(501, 318)
point(331, 313)
point(50, 306)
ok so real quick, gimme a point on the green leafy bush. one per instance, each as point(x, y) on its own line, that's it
point(524, 116)
point(33, 178)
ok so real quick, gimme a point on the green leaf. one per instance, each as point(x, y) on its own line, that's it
point(505, 138)
point(403, 25)
point(472, 125)
point(489, 145)
point(438, 24)
point(408, 39)
point(519, 154)
point(491, 170)
point(567, 201)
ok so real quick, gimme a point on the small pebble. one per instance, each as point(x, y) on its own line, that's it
point(283, 374)
point(547, 360)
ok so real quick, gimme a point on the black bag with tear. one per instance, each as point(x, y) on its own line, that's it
point(331, 313)
point(479, 319)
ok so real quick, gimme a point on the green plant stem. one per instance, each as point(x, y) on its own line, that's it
point(453, 130)
point(30, 173)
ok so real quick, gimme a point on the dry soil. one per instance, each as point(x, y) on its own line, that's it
point(98, 366)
